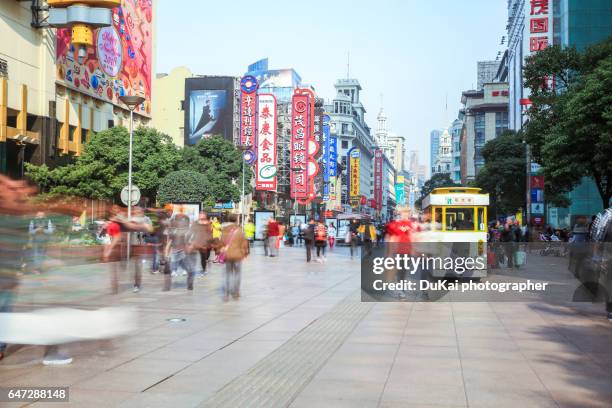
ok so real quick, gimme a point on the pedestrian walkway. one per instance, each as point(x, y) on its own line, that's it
point(300, 337)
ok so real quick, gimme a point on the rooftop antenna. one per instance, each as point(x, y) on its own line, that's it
point(348, 64)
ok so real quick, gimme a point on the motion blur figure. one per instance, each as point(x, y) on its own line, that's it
point(41, 228)
point(235, 248)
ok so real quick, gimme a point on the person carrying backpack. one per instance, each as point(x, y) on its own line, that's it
point(235, 249)
point(320, 233)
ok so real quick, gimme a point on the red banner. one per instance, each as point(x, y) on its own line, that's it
point(378, 178)
point(301, 121)
point(248, 88)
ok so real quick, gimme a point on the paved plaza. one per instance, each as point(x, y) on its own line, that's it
point(300, 337)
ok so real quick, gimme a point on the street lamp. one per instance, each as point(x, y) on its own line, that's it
point(131, 102)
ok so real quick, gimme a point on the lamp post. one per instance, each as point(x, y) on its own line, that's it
point(131, 102)
point(244, 149)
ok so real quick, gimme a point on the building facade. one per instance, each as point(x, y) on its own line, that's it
point(455, 132)
point(486, 71)
point(51, 103)
point(485, 117)
point(434, 146)
point(444, 158)
point(168, 110)
point(348, 126)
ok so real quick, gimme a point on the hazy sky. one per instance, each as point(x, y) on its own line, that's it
point(415, 53)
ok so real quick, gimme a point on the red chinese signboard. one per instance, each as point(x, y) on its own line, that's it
point(378, 178)
point(265, 165)
point(248, 88)
point(537, 182)
point(540, 26)
point(301, 127)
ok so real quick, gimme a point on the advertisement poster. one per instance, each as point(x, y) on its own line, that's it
point(265, 164)
point(118, 64)
point(261, 222)
point(191, 210)
point(326, 158)
point(297, 219)
point(207, 109)
point(333, 157)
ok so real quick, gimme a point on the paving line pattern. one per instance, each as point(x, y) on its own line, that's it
point(279, 377)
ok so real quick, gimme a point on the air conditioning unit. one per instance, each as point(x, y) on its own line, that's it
point(3, 68)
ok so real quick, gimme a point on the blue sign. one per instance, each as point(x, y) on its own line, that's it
point(333, 157)
point(537, 195)
point(248, 84)
point(249, 156)
point(400, 195)
point(326, 157)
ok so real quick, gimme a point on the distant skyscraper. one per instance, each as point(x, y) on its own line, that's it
point(444, 159)
point(486, 72)
point(434, 145)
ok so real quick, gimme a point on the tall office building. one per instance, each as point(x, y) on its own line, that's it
point(434, 145)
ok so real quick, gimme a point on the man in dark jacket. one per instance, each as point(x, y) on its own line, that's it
point(309, 236)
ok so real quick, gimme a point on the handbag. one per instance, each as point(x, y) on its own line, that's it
point(223, 253)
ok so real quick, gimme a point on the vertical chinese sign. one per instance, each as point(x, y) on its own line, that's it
point(265, 164)
point(248, 88)
point(300, 136)
point(540, 25)
point(326, 158)
point(354, 176)
point(378, 176)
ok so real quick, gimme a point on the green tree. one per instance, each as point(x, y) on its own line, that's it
point(183, 187)
point(220, 162)
point(102, 169)
point(436, 181)
point(570, 126)
point(503, 175)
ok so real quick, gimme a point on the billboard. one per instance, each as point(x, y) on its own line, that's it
point(209, 108)
point(277, 78)
point(265, 164)
point(120, 61)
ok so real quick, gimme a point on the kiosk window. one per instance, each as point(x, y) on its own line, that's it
point(437, 219)
point(459, 219)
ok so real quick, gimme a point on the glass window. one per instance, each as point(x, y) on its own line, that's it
point(482, 223)
point(345, 128)
point(459, 219)
point(437, 219)
point(345, 144)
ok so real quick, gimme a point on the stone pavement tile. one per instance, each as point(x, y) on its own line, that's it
point(482, 397)
point(580, 397)
point(203, 383)
point(413, 340)
point(152, 365)
point(121, 381)
point(85, 398)
point(172, 352)
point(362, 353)
point(162, 400)
point(555, 346)
point(52, 377)
point(354, 372)
point(407, 351)
point(430, 331)
point(423, 390)
point(409, 405)
point(518, 366)
point(490, 353)
point(343, 390)
point(502, 344)
point(310, 402)
point(592, 343)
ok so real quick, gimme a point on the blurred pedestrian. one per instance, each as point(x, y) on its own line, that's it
point(352, 236)
point(368, 234)
point(320, 240)
point(178, 249)
point(297, 236)
point(331, 236)
point(216, 233)
point(308, 232)
point(235, 249)
point(273, 236)
point(249, 231)
point(201, 233)
point(40, 230)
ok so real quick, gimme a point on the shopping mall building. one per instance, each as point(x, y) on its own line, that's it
point(50, 104)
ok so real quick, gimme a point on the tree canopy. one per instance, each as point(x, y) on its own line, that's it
point(436, 181)
point(102, 170)
point(183, 187)
point(570, 125)
point(503, 175)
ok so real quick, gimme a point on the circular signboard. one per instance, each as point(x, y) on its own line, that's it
point(267, 172)
point(249, 156)
point(135, 195)
point(109, 51)
point(248, 84)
